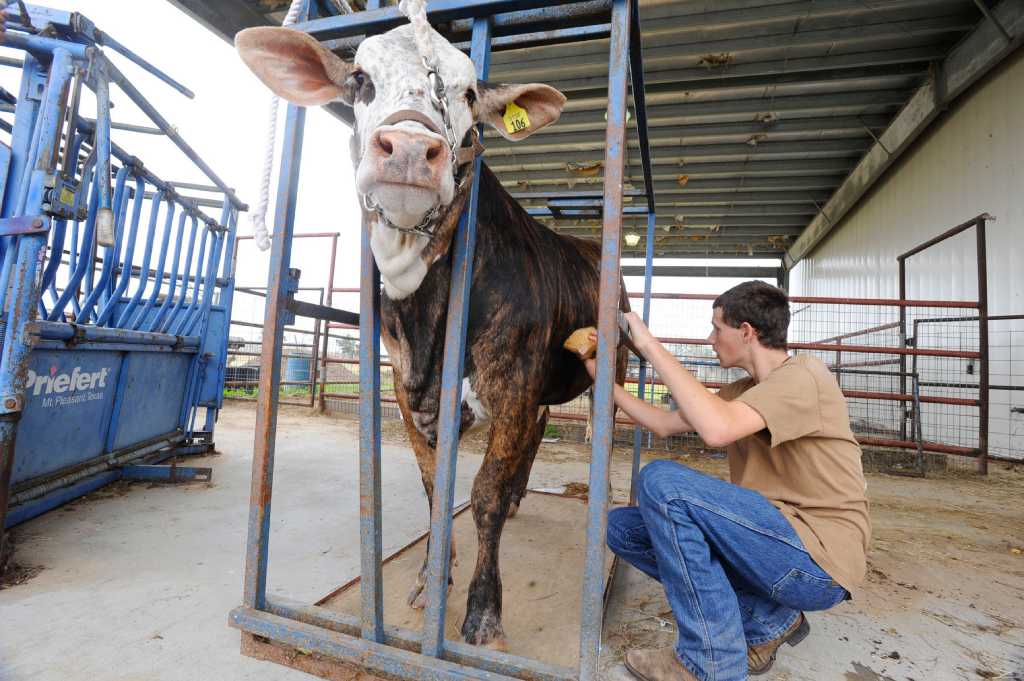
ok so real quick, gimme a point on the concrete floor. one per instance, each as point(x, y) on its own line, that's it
point(138, 579)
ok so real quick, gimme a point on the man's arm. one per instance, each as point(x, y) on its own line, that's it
point(659, 421)
point(717, 421)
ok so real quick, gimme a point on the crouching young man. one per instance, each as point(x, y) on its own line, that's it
point(741, 562)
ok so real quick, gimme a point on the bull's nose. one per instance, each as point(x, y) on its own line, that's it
point(409, 147)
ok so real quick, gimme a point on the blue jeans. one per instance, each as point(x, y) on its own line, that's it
point(733, 568)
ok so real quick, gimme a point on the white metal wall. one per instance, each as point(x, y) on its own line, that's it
point(970, 162)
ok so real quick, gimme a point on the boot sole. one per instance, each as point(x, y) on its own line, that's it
point(798, 635)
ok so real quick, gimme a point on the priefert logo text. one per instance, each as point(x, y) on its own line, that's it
point(59, 383)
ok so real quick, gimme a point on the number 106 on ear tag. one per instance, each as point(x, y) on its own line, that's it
point(515, 118)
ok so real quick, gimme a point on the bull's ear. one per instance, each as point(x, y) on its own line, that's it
point(518, 111)
point(293, 64)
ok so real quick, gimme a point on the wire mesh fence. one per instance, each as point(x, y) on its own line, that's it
point(909, 369)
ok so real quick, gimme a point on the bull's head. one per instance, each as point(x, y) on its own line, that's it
point(404, 153)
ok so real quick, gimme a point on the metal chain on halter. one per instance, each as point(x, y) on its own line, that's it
point(416, 11)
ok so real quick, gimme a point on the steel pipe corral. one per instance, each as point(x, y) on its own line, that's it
point(978, 223)
point(369, 650)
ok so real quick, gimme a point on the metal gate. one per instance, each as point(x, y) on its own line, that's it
point(364, 640)
point(114, 290)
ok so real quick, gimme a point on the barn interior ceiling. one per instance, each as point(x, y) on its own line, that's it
point(758, 110)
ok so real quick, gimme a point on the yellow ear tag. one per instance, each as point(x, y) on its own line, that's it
point(515, 118)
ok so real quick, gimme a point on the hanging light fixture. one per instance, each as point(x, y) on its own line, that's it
point(632, 239)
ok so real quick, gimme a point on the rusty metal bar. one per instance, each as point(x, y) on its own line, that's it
point(831, 347)
point(449, 410)
point(327, 329)
point(592, 615)
point(983, 378)
point(258, 542)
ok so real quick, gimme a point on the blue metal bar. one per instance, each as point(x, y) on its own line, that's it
point(62, 331)
point(39, 46)
point(56, 248)
point(440, 11)
point(129, 256)
point(57, 498)
point(201, 311)
point(104, 216)
point(107, 41)
point(115, 347)
point(155, 323)
point(176, 323)
point(227, 296)
point(165, 473)
point(607, 333)
point(455, 651)
point(158, 278)
point(636, 77)
point(25, 114)
point(83, 263)
point(14, 353)
point(642, 378)
point(200, 364)
point(169, 130)
point(110, 253)
point(154, 213)
point(59, 229)
point(370, 546)
point(112, 419)
point(450, 408)
point(258, 542)
point(376, 658)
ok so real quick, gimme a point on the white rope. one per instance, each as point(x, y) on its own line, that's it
point(416, 10)
point(259, 217)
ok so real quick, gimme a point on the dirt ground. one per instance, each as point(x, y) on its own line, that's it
point(944, 597)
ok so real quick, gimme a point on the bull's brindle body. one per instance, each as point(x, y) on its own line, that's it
point(531, 289)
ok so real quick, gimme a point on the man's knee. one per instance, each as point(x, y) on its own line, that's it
point(660, 477)
point(622, 525)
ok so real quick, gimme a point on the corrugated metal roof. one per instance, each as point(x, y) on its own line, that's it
point(757, 109)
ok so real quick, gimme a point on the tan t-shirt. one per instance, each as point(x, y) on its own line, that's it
point(807, 463)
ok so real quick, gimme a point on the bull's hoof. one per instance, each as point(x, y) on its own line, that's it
point(485, 631)
point(513, 508)
point(417, 598)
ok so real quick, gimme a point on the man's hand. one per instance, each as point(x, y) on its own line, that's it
point(642, 336)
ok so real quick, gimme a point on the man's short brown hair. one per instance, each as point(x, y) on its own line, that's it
point(763, 306)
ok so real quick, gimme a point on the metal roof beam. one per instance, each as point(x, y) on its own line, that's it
point(701, 271)
point(743, 197)
point(585, 58)
point(858, 103)
point(708, 133)
point(679, 155)
point(698, 171)
point(767, 70)
point(967, 62)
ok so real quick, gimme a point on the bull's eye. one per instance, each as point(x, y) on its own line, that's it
point(357, 86)
point(470, 97)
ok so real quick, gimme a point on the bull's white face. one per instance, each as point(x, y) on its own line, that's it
point(403, 166)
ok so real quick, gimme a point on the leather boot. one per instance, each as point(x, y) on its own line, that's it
point(657, 664)
point(760, 658)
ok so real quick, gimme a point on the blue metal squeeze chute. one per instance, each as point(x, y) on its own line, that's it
point(106, 360)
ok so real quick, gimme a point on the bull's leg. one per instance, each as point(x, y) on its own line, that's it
point(531, 442)
point(426, 460)
point(492, 492)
